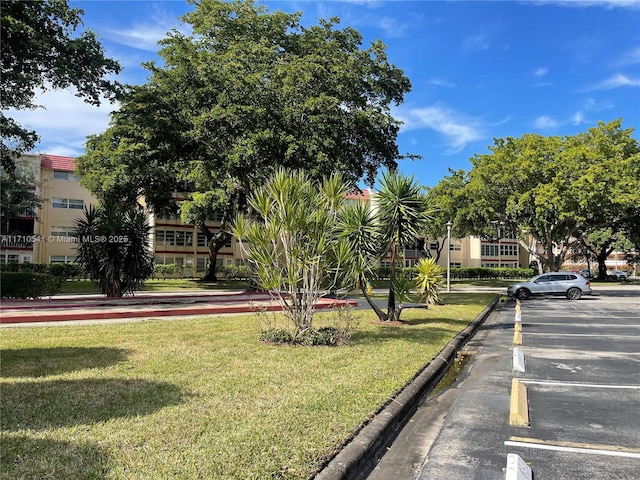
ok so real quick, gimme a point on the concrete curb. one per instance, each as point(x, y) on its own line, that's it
point(359, 457)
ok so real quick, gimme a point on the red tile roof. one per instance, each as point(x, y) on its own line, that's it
point(58, 162)
point(361, 195)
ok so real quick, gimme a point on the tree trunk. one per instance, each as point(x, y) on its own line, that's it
point(391, 301)
point(215, 241)
point(602, 256)
point(381, 315)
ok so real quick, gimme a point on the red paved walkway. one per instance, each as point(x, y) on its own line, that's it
point(143, 305)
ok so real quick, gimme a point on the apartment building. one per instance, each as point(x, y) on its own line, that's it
point(44, 236)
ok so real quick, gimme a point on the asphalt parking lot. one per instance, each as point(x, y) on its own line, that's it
point(582, 380)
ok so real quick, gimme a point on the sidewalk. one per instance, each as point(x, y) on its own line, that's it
point(66, 308)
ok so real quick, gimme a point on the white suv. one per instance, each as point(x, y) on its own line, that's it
point(572, 285)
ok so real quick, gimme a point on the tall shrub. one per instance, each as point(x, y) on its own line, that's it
point(113, 247)
point(293, 241)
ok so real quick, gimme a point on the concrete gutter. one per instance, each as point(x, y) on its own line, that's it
point(359, 457)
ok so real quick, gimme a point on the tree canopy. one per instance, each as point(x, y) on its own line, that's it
point(246, 92)
point(555, 190)
point(41, 50)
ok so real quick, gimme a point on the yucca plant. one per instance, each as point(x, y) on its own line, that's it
point(429, 280)
point(293, 241)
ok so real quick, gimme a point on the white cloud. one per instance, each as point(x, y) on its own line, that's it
point(544, 122)
point(145, 35)
point(578, 118)
point(541, 72)
point(630, 57)
point(458, 130)
point(392, 27)
point(64, 122)
point(476, 43)
point(608, 4)
point(615, 81)
point(440, 82)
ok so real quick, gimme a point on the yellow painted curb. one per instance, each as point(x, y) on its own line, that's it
point(517, 338)
point(518, 326)
point(519, 410)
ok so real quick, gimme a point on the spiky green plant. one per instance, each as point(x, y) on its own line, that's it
point(429, 280)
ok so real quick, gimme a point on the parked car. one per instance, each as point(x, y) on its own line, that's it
point(586, 273)
point(617, 275)
point(572, 285)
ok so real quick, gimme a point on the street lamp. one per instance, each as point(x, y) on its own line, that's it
point(449, 256)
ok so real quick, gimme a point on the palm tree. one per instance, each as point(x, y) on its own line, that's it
point(359, 225)
point(113, 247)
point(403, 213)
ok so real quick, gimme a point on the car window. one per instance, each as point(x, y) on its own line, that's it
point(558, 278)
point(543, 278)
point(571, 277)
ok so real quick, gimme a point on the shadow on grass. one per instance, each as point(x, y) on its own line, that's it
point(25, 457)
point(405, 333)
point(58, 403)
point(41, 362)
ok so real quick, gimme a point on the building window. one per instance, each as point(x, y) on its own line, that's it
point(509, 250)
point(62, 259)
point(68, 203)
point(433, 246)
point(202, 240)
point(201, 264)
point(62, 231)
point(455, 246)
point(60, 175)
point(489, 250)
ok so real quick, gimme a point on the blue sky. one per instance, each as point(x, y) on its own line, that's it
point(479, 70)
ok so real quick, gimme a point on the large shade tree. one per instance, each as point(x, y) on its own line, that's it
point(554, 190)
point(246, 92)
point(41, 50)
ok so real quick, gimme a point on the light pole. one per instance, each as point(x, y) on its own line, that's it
point(449, 256)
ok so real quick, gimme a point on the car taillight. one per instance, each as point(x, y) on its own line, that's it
point(588, 283)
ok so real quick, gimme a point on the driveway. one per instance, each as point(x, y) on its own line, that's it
point(582, 382)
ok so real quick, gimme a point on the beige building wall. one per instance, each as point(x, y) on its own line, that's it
point(63, 201)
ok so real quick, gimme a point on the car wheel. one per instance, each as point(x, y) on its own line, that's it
point(523, 294)
point(574, 293)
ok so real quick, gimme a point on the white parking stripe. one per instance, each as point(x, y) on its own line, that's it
point(599, 335)
point(577, 384)
point(563, 448)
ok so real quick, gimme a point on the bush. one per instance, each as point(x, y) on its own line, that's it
point(62, 270)
point(168, 270)
point(486, 273)
point(276, 335)
point(28, 285)
point(236, 272)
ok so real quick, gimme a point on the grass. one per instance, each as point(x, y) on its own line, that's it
point(157, 285)
point(201, 398)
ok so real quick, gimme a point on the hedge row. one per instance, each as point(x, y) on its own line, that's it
point(466, 273)
point(486, 273)
point(28, 284)
point(62, 270)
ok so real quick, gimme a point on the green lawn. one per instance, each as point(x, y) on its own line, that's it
point(170, 284)
point(201, 398)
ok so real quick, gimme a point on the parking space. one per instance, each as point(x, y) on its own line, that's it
point(583, 382)
point(582, 379)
